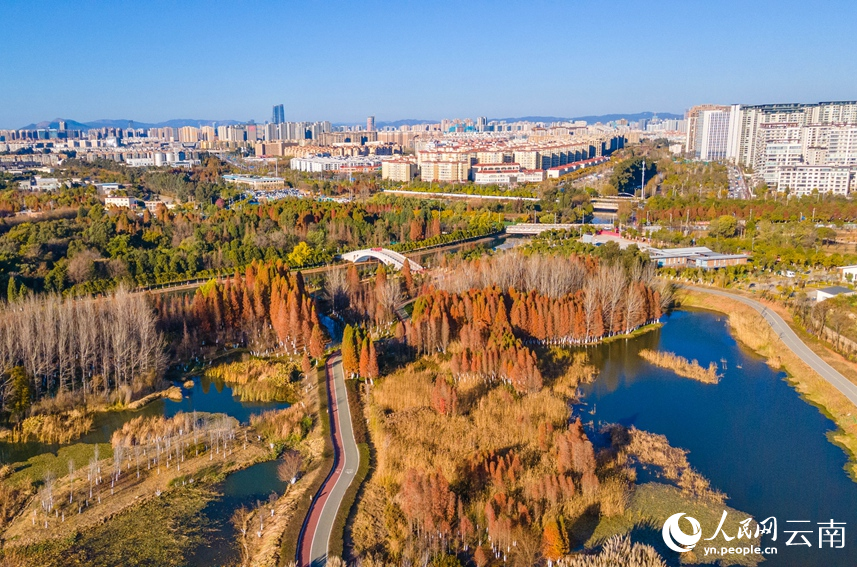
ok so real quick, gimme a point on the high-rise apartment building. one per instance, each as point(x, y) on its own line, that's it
point(693, 124)
point(712, 134)
point(370, 124)
point(797, 147)
point(188, 134)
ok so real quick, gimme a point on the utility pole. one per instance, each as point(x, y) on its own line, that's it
point(643, 182)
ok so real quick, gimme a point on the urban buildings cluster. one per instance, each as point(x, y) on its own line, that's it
point(504, 161)
point(134, 147)
point(536, 147)
point(798, 148)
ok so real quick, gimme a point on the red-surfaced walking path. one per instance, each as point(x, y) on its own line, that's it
point(318, 525)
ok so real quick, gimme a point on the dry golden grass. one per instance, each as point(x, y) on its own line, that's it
point(11, 500)
point(617, 551)
point(573, 369)
point(408, 391)
point(682, 366)
point(652, 449)
point(53, 428)
point(289, 425)
point(415, 436)
point(408, 433)
point(748, 326)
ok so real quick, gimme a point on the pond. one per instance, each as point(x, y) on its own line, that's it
point(205, 396)
point(248, 487)
point(244, 487)
point(751, 435)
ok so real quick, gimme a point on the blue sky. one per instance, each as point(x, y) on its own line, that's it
point(152, 61)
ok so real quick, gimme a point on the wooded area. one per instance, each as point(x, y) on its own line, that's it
point(267, 308)
point(57, 347)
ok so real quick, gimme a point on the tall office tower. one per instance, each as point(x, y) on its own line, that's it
point(279, 114)
point(370, 124)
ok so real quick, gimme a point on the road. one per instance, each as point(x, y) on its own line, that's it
point(791, 340)
point(737, 184)
point(318, 525)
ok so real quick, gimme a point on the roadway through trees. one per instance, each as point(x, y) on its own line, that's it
point(319, 523)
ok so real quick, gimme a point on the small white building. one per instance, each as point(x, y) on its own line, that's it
point(107, 188)
point(256, 182)
point(849, 273)
point(122, 202)
point(505, 174)
point(153, 205)
point(825, 293)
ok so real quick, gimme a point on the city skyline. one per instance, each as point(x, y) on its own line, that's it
point(122, 123)
point(342, 62)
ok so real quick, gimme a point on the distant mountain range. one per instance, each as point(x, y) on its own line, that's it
point(113, 123)
point(179, 122)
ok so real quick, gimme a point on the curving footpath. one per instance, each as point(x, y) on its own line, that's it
point(795, 344)
point(318, 525)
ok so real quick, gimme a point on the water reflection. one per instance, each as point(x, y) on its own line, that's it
point(244, 488)
point(205, 396)
point(751, 434)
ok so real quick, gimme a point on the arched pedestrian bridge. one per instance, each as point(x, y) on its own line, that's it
point(388, 257)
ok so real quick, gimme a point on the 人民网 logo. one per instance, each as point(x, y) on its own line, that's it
point(675, 538)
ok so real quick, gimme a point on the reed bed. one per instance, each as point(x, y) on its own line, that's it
point(652, 449)
point(288, 425)
point(682, 366)
point(53, 428)
point(618, 550)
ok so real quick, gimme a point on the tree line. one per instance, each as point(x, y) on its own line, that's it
point(267, 308)
point(83, 347)
point(549, 300)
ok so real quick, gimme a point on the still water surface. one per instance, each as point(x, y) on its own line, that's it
point(244, 488)
point(751, 434)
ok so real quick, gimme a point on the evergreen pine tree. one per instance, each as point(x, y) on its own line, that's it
point(11, 290)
